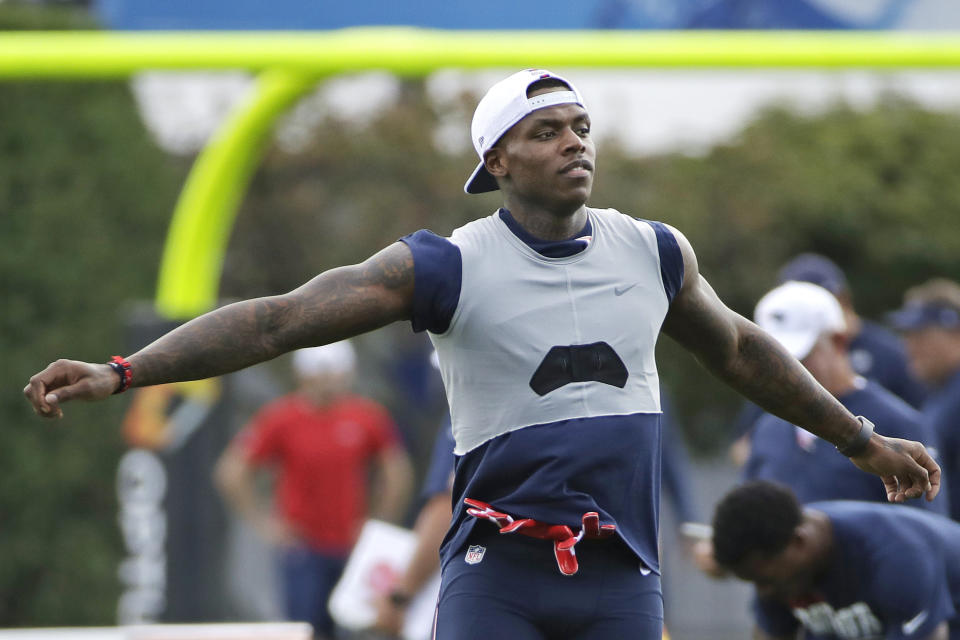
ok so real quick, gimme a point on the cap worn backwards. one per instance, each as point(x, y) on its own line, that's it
point(504, 105)
point(796, 314)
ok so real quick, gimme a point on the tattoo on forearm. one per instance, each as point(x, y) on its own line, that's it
point(778, 383)
point(391, 271)
point(755, 364)
point(335, 305)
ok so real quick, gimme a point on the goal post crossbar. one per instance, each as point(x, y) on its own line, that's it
point(289, 64)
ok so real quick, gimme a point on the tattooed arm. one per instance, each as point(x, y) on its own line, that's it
point(337, 304)
point(754, 363)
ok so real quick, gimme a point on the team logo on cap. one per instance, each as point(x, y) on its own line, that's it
point(474, 554)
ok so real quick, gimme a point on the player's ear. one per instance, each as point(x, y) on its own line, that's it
point(495, 162)
point(840, 341)
point(800, 541)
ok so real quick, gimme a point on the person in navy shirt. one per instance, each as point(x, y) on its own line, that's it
point(432, 522)
point(811, 325)
point(875, 353)
point(675, 464)
point(545, 315)
point(930, 322)
point(841, 569)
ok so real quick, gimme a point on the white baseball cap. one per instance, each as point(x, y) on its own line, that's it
point(797, 314)
point(338, 357)
point(504, 105)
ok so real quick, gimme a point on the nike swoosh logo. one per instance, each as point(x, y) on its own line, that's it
point(914, 623)
point(619, 291)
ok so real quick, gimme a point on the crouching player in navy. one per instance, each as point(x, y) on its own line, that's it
point(841, 569)
point(545, 316)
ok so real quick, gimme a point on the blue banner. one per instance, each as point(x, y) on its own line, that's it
point(530, 14)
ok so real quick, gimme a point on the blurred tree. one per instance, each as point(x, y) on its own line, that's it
point(84, 203)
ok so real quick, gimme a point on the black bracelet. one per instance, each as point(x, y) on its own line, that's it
point(859, 442)
point(122, 368)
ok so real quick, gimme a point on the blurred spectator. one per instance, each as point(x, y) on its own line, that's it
point(321, 441)
point(810, 324)
point(431, 525)
point(930, 322)
point(875, 353)
point(675, 463)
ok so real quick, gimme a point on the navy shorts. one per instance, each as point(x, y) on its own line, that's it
point(511, 588)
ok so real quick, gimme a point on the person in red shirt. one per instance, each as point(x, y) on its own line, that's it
point(321, 442)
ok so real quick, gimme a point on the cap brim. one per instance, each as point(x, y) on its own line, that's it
point(907, 319)
point(481, 181)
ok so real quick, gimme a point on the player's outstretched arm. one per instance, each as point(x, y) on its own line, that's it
point(335, 305)
point(754, 363)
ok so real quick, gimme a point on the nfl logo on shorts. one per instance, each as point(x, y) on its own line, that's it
point(474, 554)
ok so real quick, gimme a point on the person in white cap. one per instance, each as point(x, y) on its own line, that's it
point(545, 316)
point(809, 322)
point(321, 443)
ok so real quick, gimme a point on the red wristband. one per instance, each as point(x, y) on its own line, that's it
point(122, 368)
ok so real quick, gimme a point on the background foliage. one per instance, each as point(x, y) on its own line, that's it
point(84, 203)
point(85, 198)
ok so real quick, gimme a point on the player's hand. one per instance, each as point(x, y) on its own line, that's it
point(277, 532)
point(905, 467)
point(390, 617)
point(66, 380)
point(703, 558)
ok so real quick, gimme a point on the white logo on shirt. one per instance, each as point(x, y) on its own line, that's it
point(474, 554)
point(855, 622)
point(914, 623)
point(861, 360)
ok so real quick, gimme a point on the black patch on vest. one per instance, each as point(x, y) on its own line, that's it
point(596, 362)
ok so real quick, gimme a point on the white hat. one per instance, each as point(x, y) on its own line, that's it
point(504, 105)
point(797, 314)
point(338, 357)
